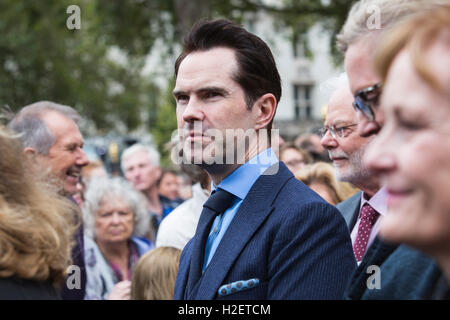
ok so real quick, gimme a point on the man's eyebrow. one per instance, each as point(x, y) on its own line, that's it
point(213, 89)
point(177, 93)
point(203, 90)
point(342, 122)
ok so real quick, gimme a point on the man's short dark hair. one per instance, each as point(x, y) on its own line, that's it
point(257, 72)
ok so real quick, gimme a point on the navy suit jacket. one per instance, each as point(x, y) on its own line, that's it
point(284, 235)
point(405, 273)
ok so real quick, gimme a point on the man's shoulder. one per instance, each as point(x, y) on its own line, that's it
point(350, 203)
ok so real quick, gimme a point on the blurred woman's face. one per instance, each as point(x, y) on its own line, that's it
point(169, 186)
point(412, 153)
point(293, 159)
point(114, 220)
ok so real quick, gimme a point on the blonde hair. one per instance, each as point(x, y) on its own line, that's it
point(35, 232)
point(322, 172)
point(155, 274)
point(428, 27)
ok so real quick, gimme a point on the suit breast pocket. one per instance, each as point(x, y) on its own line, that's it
point(251, 289)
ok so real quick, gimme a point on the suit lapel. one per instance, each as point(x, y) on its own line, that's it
point(254, 210)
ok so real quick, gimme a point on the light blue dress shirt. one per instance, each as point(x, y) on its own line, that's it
point(239, 183)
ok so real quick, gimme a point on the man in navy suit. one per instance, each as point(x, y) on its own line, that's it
point(268, 236)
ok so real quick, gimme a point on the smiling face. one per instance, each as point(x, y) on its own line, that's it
point(210, 101)
point(412, 152)
point(66, 157)
point(114, 221)
point(346, 152)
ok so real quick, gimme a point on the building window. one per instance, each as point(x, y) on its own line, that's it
point(302, 102)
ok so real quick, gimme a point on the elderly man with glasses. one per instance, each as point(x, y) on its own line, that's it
point(346, 149)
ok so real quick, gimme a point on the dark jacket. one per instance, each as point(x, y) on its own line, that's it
point(285, 242)
point(405, 273)
point(13, 288)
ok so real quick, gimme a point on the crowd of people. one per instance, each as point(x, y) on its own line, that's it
point(305, 219)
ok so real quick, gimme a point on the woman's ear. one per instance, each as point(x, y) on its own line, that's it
point(265, 108)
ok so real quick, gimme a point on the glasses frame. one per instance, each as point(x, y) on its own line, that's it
point(333, 129)
point(364, 104)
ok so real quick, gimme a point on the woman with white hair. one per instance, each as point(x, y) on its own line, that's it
point(115, 218)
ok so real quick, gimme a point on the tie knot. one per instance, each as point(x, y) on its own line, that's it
point(219, 201)
point(369, 213)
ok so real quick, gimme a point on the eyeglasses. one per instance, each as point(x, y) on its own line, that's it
point(366, 99)
point(336, 132)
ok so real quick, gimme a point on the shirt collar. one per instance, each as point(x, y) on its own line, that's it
point(241, 180)
point(378, 201)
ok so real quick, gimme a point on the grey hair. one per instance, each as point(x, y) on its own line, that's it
point(153, 154)
point(329, 86)
point(101, 188)
point(33, 131)
point(390, 13)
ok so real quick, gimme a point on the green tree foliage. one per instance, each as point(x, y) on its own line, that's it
point(41, 59)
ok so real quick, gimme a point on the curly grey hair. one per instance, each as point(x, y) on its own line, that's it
point(33, 131)
point(101, 188)
point(390, 13)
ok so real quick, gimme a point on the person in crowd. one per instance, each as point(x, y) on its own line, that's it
point(346, 150)
point(140, 165)
point(116, 221)
point(412, 149)
point(168, 188)
point(406, 273)
point(320, 177)
point(35, 228)
point(179, 227)
point(262, 234)
point(95, 169)
point(294, 157)
point(358, 40)
point(155, 274)
point(311, 143)
point(54, 144)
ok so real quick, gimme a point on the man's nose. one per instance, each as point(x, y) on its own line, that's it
point(82, 159)
point(193, 111)
point(328, 142)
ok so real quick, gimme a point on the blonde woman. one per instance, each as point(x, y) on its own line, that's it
point(34, 233)
point(320, 177)
point(155, 274)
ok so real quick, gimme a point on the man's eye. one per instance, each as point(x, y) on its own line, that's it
point(182, 98)
point(211, 94)
point(342, 131)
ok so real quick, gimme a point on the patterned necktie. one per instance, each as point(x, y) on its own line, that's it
point(367, 220)
point(219, 201)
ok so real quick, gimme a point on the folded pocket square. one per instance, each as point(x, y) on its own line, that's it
point(236, 286)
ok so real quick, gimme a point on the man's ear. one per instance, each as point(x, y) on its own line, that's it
point(30, 152)
point(265, 108)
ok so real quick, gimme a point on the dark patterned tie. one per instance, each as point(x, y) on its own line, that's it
point(219, 201)
point(368, 218)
